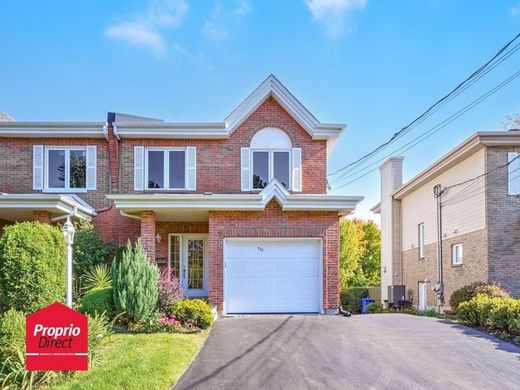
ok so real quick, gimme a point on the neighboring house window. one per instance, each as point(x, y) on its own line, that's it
point(456, 254)
point(270, 156)
point(421, 240)
point(64, 169)
point(166, 169)
point(513, 174)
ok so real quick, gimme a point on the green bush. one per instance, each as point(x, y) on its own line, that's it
point(494, 313)
point(134, 282)
point(98, 300)
point(351, 298)
point(12, 333)
point(193, 312)
point(374, 308)
point(32, 266)
point(98, 330)
point(97, 277)
point(89, 249)
point(470, 291)
point(427, 313)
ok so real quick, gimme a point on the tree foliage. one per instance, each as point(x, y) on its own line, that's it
point(359, 254)
point(134, 280)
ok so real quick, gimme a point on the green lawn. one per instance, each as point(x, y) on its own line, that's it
point(139, 361)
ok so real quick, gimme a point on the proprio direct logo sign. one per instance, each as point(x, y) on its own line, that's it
point(56, 339)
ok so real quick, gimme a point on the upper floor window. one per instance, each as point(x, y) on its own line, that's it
point(421, 240)
point(64, 169)
point(271, 156)
point(164, 168)
point(513, 173)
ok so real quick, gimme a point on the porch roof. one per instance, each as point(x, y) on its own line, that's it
point(20, 207)
point(195, 206)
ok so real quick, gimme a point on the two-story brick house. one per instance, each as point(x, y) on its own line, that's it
point(480, 219)
point(238, 209)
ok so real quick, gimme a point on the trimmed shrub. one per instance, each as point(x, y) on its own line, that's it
point(12, 333)
point(89, 249)
point(374, 308)
point(32, 266)
point(351, 298)
point(470, 291)
point(98, 300)
point(169, 290)
point(494, 313)
point(193, 312)
point(134, 281)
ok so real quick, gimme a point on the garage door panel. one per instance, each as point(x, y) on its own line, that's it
point(269, 276)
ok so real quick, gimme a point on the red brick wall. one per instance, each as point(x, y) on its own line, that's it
point(273, 222)
point(148, 233)
point(165, 228)
point(42, 216)
point(115, 227)
point(218, 161)
point(16, 166)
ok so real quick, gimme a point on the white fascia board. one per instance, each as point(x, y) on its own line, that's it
point(52, 129)
point(60, 203)
point(172, 130)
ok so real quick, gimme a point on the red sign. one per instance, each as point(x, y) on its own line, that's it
point(56, 339)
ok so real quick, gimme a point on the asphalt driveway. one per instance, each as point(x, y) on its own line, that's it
point(386, 351)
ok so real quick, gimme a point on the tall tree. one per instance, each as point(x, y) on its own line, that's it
point(360, 254)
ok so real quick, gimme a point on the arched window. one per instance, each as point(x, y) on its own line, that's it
point(270, 158)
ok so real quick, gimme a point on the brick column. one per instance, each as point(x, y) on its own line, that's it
point(42, 216)
point(113, 160)
point(148, 233)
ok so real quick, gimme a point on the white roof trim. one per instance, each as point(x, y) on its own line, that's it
point(54, 203)
point(271, 86)
point(171, 130)
point(129, 204)
point(52, 129)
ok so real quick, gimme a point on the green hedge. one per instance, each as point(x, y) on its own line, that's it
point(470, 291)
point(493, 313)
point(351, 298)
point(32, 266)
point(374, 308)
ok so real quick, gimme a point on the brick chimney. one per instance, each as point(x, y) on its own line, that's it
point(391, 265)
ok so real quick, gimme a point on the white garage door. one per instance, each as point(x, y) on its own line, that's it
point(272, 276)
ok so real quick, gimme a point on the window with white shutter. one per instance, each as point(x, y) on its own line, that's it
point(38, 167)
point(168, 168)
point(138, 168)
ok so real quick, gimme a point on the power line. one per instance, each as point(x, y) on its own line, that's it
point(441, 124)
point(346, 174)
point(428, 111)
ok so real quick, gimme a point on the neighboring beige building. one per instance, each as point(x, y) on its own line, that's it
point(480, 212)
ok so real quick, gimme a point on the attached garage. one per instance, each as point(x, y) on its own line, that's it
point(273, 275)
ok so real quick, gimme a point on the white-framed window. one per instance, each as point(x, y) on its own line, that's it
point(64, 169)
point(420, 230)
point(456, 254)
point(268, 165)
point(165, 168)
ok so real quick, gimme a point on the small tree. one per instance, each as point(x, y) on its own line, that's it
point(134, 280)
point(32, 266)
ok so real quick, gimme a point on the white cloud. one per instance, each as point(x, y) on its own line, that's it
point(331, 14)
point(217, 26)
point(515, 11)
point(145, 30)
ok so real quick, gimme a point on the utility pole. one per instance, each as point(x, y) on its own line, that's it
point(439, 286)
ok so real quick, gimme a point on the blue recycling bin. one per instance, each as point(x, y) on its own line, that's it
point(364, 303)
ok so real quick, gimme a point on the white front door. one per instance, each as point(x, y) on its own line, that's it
point(422, 295)
point(273, 275)
point(187, 257)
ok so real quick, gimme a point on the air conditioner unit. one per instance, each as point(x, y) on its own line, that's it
point(396, 293)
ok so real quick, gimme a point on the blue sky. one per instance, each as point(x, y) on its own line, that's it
point(374, 65)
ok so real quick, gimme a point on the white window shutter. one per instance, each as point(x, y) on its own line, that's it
point(191, 168)
point(138, 168)
point(513, 174)
point(38, 167)
point(91, 167)
point(297, 169)
point(245, 169)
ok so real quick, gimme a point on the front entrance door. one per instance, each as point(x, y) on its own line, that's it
point(187, 257)
point(422, 295)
